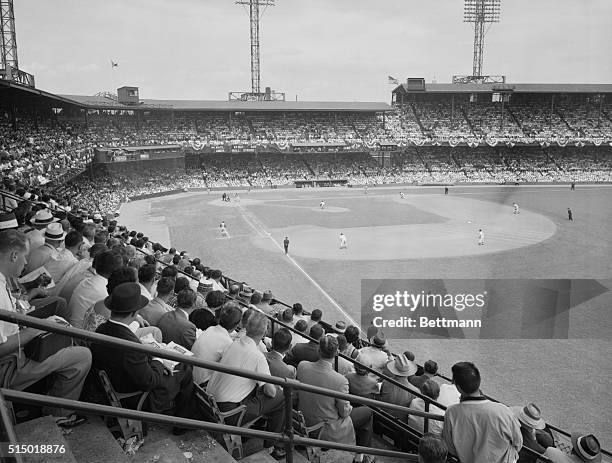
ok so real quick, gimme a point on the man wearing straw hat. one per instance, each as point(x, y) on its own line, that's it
point(36, 235)
point(54, 239)
point(398, 369)
point(532, 426)
point(585, 448)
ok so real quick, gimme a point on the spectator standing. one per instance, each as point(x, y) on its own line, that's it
point(476, 429)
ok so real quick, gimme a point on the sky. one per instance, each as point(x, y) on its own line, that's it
point(313, 50)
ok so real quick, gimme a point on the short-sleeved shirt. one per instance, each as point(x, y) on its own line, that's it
point(7, 302)
point(240, 354)
point(210, 346)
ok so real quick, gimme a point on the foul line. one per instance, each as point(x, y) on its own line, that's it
point(262, 232)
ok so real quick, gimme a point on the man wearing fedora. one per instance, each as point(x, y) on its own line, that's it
point(478, 430)
point(170, 392)
point(343, 423)
point(585, 448)
point(532, 430)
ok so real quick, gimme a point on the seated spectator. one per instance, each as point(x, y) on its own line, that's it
point(54, 240)
point(532, 430)
point(92, 289)
point(170, 392)
point(298, 312)
point(146, 280)
point(344, 366)
point(377, 354)
point(585, 448)
point(215, 280)
point(260, 398)
point(300, 326)
point(213, 342)
point(158, 306)
point(432, 449)
point(267, 302)
point(308, 351)
point(66, 369)
point(476, 429)
point(363, 383)
point(202, 319)
point(77, 273)
point(429, 371)
point(354, 343)
point(100, 312)
point(170, 271)
point(180, 284)
point(398, 369)
point(286, 316)
point(281, 343)
point(175, 326)
point(410, 356)
point(67, 257)
point(214, 301)
point(432, 390)
point(343, 423)
point(315, 318)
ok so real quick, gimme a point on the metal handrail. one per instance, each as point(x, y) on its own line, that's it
point(26, 320)
point(9, 432)
point(140, 415)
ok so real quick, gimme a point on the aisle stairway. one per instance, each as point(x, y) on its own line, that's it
point(92, 442)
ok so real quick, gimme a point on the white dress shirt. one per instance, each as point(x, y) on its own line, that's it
point(240, 354)
point(210, 346)
point(86, 294)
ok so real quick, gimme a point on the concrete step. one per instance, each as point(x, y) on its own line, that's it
point(92, 442)
point(159, 451)
point(196, 446)
point(44, 431)
point(264, 457)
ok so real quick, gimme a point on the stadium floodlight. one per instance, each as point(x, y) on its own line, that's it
point(255, 16)
point(482, 13)
point(9, 64)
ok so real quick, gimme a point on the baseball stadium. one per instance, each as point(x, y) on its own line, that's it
point(424, 279)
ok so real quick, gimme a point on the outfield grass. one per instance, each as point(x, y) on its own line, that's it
point(570, 379)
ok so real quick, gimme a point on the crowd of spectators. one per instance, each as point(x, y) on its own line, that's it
point(118, 283)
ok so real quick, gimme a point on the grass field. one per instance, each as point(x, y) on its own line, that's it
point(426, 235)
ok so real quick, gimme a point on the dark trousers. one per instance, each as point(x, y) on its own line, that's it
point(362, 422)
point(273, 408)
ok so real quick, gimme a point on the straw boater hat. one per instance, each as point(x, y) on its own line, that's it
point(126, 298)
point(43, 217)
point(340, 327)
point(8, 221)
point(401, 366)
point(55, 232)
point(587, 447)
point(529, 415)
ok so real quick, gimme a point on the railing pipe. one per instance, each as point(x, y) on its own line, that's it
point(17, 318)
point(9, 433)
point(42, 400)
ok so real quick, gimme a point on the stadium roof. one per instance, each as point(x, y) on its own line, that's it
point(99, 101)
point(516, 88)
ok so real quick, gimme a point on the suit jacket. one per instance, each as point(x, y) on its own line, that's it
point(318, 408)
point(131, 371)
point(302, 351)
point(278, 367)
point(175, 326)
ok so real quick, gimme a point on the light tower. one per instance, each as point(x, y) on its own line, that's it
point(482, 13)
point(9, 64)
point(255, 14)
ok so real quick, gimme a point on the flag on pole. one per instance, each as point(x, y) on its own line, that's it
point(113, 64)
point(392, 80)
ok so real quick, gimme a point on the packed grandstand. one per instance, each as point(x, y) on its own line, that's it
point(68, 162)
